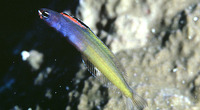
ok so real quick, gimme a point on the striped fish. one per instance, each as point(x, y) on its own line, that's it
point(100, 61)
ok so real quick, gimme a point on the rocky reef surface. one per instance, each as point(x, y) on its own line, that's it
point(158, 43)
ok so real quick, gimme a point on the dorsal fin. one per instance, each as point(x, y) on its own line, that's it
point(121, 68)
point(75, 20)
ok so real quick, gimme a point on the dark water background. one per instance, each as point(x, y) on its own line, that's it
point(22, 29)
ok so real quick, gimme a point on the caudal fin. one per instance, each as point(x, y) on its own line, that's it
point(136, 102)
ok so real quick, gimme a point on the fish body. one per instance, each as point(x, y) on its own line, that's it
point(93, 50)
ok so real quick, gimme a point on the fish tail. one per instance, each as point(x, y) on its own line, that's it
point(135, 102)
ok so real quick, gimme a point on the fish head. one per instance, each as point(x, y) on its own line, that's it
point(51, 17)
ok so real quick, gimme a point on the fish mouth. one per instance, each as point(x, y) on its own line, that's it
point(40, 13)
point(44, 14)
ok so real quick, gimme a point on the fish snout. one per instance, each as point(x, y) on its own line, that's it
point(43, 14)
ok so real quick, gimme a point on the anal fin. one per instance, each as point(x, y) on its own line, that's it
point(96, 73)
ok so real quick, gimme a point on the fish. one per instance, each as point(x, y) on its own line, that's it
point(97, 57)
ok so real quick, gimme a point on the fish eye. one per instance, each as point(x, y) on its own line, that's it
point(45, 14)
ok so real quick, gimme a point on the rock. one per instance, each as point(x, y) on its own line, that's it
point(34, 58)
point(157, 43)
